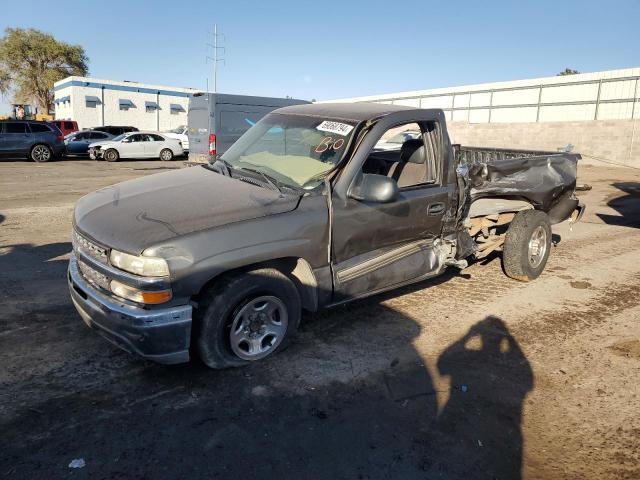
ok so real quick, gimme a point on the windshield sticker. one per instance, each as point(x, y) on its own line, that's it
point(327, 143)
point(335, 127)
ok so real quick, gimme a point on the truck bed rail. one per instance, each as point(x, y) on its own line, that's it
point(471, 155)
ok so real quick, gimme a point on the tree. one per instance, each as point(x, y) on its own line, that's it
point(31, 61)
point(567, 71)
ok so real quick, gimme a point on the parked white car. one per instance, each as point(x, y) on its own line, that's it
point(181, 134)
point(137, 145)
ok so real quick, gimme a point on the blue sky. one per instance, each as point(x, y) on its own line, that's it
point(327, 50)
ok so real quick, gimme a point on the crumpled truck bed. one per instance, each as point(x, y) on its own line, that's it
point(545, 179)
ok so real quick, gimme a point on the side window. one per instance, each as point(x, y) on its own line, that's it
point(68, 125)
point(97, 135)
point(82, 136)
point(39, 128)
point(156, 138)
point(15, 128)
point(137, 138)
point(395, 137)
point(407, 153)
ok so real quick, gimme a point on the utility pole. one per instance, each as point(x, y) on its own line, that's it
point(215, 59)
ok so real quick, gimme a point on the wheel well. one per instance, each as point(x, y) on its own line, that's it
point(297, 269)
point(496, 205)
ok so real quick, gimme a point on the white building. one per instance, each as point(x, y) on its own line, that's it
point(608, 95)
point(95, 102)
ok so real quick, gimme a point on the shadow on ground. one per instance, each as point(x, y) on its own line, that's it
point(627, 205)
point(350, 399)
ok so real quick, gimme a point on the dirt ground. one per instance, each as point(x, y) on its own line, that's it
point(471, 375)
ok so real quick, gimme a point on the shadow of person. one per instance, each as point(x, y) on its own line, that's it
point(628, 206)
point(478, 432)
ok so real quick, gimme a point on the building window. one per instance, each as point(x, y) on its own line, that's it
point(126, 104)
point(151, 107)
point(91, 101)
point(176, 108)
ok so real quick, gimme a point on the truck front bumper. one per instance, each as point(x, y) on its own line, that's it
point(161, 335)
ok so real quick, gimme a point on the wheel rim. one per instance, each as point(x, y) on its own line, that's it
point(166, 155)
point(41, 153)
point(537, 246)
point(258, 327)
point(111, 156)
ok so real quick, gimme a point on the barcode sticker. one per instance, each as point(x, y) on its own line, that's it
point(335, 127)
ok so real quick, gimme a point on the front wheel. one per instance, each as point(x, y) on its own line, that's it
point(166, 155)
point(527, 245)
point(111, 155)
point(41, 153)
point(246, 317)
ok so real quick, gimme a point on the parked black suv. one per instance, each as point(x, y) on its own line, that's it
point(115, 131)
point(39, 141)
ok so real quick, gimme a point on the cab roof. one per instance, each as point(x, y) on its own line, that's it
point(355, 112)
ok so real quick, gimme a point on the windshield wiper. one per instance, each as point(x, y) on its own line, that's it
point(227, 167)
point(267, 178)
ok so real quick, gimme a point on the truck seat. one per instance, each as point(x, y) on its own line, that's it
point(411, 169)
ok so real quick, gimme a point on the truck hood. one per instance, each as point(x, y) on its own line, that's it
point(136, 214)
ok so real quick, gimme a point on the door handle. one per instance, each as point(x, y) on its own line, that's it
point(435, 209)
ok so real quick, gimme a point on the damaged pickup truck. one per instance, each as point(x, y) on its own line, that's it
point(314, 206)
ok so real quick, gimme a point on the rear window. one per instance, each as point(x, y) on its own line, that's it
point(68, 125)
point(15, 128)
point(39, 127)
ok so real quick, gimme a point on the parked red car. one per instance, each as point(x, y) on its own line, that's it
point(66, 126)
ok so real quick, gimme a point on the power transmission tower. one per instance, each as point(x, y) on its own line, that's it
point(216, 58)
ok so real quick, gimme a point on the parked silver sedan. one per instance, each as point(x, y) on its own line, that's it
point(137, 145)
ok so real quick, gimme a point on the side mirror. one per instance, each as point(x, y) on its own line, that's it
point(374, 188)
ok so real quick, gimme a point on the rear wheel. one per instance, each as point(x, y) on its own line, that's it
point(40, 153)
point(246, 317)
point(527, 245)
point(166, 155)
point(111, 155)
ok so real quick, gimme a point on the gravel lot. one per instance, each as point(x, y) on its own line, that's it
point(471, 375)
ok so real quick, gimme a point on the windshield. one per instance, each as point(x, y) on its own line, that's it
point(119, 137)
point(295, 150)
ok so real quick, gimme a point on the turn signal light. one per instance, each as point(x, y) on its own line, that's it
point(140, 296)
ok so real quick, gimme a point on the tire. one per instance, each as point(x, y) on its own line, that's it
point(111, 155)
point(527, 245)
point(223, 331)
point(40, 153)
point(166, 155)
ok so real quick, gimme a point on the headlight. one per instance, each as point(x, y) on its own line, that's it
point(140, 265)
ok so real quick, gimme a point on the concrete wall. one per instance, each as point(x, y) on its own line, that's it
point(614, 141)
point(612, 94)
point(77, 89)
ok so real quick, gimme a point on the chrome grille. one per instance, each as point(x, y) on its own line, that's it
point(93, 276)
point(89, 248)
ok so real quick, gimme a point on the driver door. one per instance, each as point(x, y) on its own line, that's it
point(134, 148)
point(378, 245)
